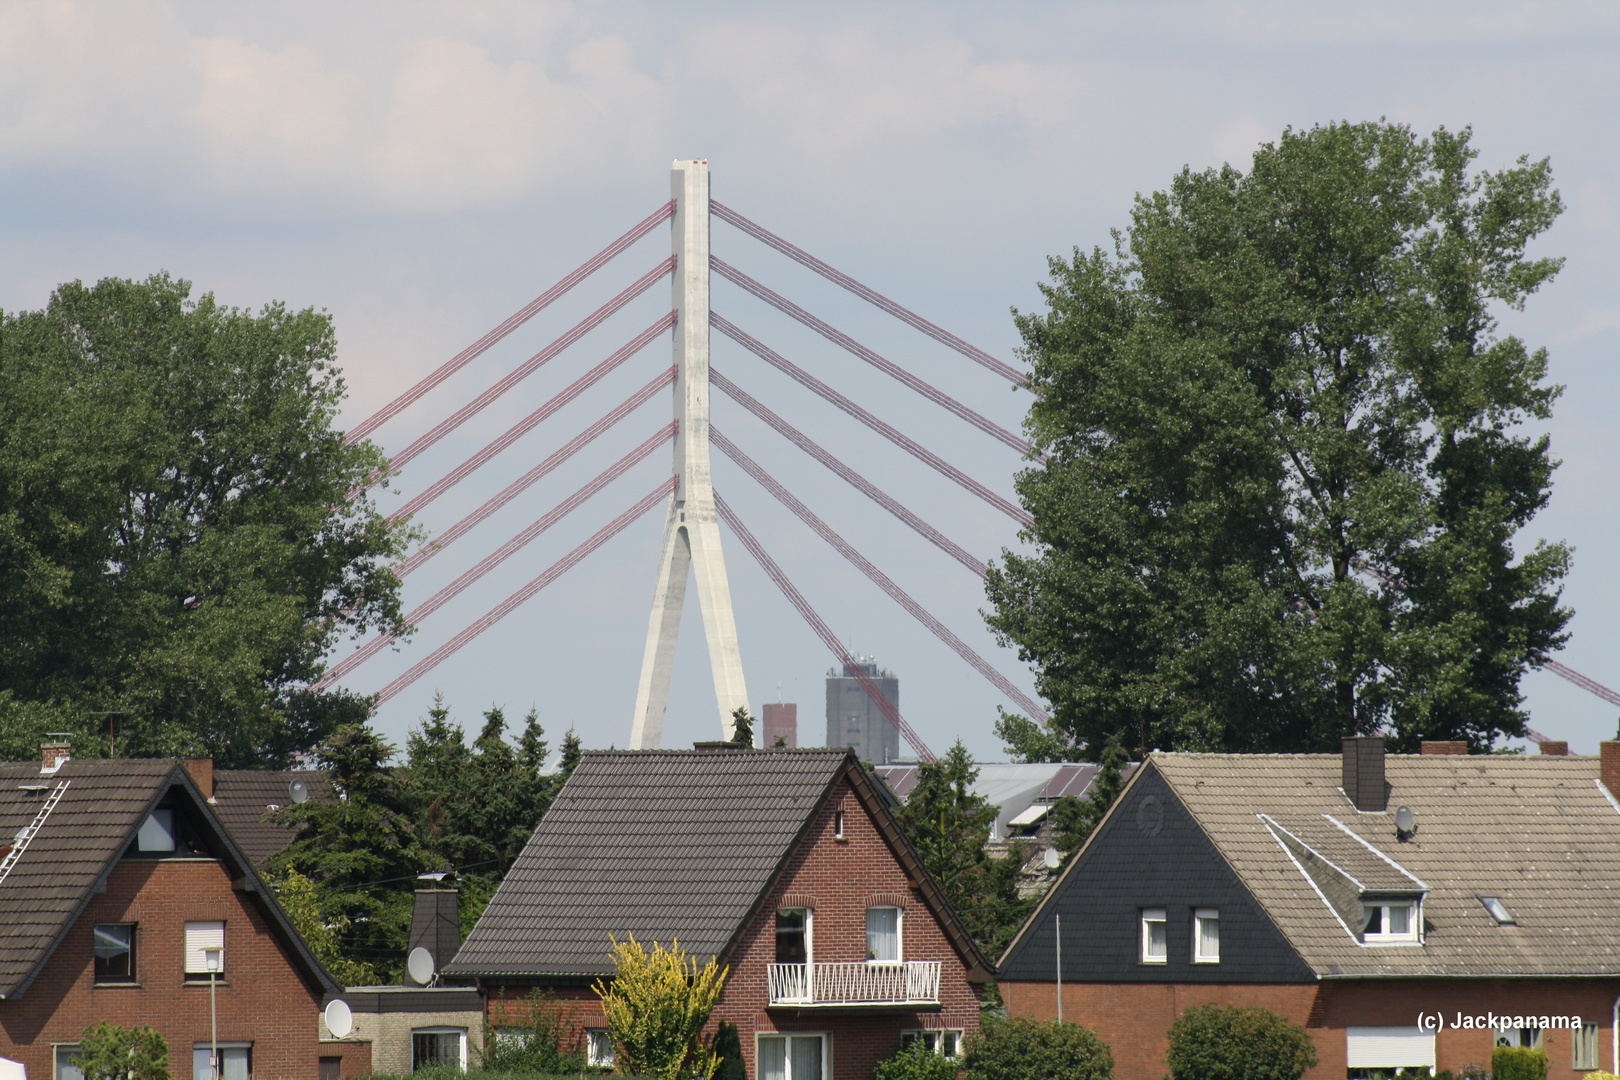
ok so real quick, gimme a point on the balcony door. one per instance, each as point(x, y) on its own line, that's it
point(793, 935)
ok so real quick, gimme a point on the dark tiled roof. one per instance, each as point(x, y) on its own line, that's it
point(1540, 833)
point(662, 844)
point(242, 798)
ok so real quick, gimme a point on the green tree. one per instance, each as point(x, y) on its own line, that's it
point(1229, 1042)
point(109, 1052)
point(1022, 1049)
point(1289, 452)
point(656, 1006)
point(323, 930)
point(1074, 819)
point(728, 1049)
point(742, 727)
point(177, 545)
point(915, 1061)
point(949, 826)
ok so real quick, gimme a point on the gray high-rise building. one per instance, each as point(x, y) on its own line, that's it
point(854, 719)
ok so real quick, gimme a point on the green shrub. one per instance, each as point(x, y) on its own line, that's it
point(728, 1048)
point(1225, 1042)
point(915, 1061)
point(539, 1049)
point(108, 1052)
point(1518, 1063)
point(1022, 1049)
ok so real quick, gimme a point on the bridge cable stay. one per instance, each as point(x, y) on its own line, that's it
point(512, 322)
point(876, 576)
point(656, 497)
point(855, 348)
point(855, 479)
point(524, 482)
point(528, 423)
point(518, 374)
point(802, 606)
point(501, 554)
point(871, 296)
point(827, 393)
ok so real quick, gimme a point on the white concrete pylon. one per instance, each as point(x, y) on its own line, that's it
point(692, 529)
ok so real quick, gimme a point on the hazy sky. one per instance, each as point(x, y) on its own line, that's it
point(423, 170)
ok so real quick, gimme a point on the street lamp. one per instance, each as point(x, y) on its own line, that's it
point(212, 957)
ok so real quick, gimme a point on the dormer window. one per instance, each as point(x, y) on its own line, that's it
point(1389, 921)
point(157, 832)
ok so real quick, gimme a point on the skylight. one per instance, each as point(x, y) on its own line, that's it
point(1501, 914)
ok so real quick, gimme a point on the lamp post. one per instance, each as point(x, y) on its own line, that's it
point(211, 957)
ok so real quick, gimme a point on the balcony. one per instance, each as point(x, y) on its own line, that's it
point(914, 984)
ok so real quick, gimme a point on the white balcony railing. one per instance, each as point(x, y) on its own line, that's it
point(915, 982)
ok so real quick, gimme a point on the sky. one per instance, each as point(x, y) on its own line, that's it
point(421, 171)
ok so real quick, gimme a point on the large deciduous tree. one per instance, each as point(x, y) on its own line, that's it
point(177, 546)
point(1290, 451)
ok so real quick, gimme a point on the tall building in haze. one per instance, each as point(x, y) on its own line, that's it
point(854, 720)
point(781, 720)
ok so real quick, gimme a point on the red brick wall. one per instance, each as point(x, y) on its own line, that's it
point(262, 998)
point(839, 877)
point(1134, 1018)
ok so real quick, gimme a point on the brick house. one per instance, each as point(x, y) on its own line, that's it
point(1361, 895)
point(785, 865)
point(116, 879)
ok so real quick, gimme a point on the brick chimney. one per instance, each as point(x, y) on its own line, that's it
point(201, 771)
point(53, 754)
point(1554, 748)
point(1363, 771)
point(1458, 747)
point(435, 926)
point(1609, 766)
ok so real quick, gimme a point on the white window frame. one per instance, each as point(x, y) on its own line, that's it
point(1414, 922)
point(200, 936)
point(595, 1056)
point(826, 1052)
point(1145, 917)
point(946, 1042)
point(62, 1066)
point(461, 1055)
point(809, 931)
point(208, 1048)
point(1200, 917)
point(1586, 1053)
point(1516, 1036)
point(899, 936)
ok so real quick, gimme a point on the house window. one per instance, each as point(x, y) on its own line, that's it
point(883, 935)
point(1395, 920)
point(443, 1046)
point(66, 1060)
point(1519, 1036)
point(512, 1038)
point(115, 952)
point(792, 1057)
point(1586, 1047)
point(1207, 936)
point(793, 935)
point(1155, 948)
point(157, 832)
point(599, 1049)
point(331, 1068)
point(235, 1061)
point(1374, 1052)
point(838, 824)
point(946, 1043)
point(200, 937)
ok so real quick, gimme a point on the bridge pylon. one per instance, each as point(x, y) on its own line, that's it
point(692, 528)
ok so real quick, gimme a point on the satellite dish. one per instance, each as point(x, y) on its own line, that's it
point(339, 1018)
point(1403, 819)
point(298, 791)
point(1053, 858)
point(420, 965)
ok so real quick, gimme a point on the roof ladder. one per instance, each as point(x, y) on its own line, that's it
point(26, 836)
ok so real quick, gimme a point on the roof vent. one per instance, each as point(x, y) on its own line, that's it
point(1500, 913)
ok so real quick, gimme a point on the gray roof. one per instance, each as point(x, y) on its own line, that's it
point(102, 803)
point(664, 844)
point(1539, 833)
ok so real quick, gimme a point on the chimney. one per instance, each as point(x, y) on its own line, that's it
point(1364, 772)
point(1554, 748)
point(53, 754)
point(1609, 766)
point(201, 771)
point(1459, 747)
point(435, 926)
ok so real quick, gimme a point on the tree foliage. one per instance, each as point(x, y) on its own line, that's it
point(1229, 1042)
point(177, 548)
point(109, 1052)
point(656, 1006)
point(914, 1060)
point(949, 826)
point(1074, 818)
point(1023, 1049)
point(1289, 452)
